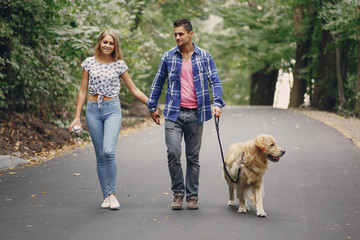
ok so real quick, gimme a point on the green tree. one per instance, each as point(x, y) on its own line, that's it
point(325, 33)
point(341, 19)
point(43, 43)
point(305, 16)
point(259, 36)
point(33, 76)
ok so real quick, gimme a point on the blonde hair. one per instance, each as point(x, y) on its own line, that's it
point(116, 54)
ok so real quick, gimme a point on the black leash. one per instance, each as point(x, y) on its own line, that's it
point(217, 120)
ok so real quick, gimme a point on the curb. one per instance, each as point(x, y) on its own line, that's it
point(7, 161)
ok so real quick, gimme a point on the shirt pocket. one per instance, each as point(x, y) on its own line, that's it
point(173, 72)
point(204, 74)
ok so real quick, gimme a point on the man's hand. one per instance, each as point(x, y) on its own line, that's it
point(156, 116)
point(216, 111)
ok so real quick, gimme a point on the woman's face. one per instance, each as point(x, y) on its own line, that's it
point(107, 45)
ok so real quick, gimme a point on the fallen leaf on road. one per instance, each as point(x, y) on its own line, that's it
point(9, 200)
point(33, 195)
point(39, 205)
point(12, 173)
point(76, 174)
point(44, 192)
point(165, 193)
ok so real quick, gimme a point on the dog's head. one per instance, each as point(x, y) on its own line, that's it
point(268, 145)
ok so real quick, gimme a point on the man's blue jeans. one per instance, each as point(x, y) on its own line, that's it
point(104, 125)
point(187, 126)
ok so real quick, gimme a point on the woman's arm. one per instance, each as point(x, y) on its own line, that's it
point(139, 95)
point(81, 98)
point(133, 89)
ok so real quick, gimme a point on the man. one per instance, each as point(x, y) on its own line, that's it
point(190, 71)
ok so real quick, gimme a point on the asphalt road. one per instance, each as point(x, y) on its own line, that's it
point(312, 193)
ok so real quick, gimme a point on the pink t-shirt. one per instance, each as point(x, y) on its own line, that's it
point(188, 96)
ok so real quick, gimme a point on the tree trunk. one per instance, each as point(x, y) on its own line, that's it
point(263, 87)
point(340, 82)
point(299, 85)
point(303, 45)
point(325, 89)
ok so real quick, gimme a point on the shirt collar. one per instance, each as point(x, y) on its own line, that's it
point(196, 49)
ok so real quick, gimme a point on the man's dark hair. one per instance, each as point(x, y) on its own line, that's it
point(185, 23)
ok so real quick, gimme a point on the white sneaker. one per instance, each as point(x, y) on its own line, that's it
point(106, 203)
point(114, 204)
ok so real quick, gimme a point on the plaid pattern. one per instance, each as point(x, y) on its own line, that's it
point(205, 75)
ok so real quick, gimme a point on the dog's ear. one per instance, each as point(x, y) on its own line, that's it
point(261, 143)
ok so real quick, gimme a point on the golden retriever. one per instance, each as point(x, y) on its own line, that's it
point(252, 159)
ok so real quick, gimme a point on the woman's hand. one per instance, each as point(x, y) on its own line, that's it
point(76, 121)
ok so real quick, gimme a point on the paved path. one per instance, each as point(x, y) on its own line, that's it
point(312, 193)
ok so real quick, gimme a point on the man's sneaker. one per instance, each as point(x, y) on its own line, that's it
point(106, 203)
point(192, 204)
point(177, 202)
point(114, 204)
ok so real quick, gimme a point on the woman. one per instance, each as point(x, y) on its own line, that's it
point(101, 77)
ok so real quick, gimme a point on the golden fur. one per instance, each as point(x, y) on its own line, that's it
point(252, 157)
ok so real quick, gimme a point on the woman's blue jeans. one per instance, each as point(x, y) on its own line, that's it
point(104, 125)
point(187, 126)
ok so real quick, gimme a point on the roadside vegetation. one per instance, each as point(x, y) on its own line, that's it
point(43, 42)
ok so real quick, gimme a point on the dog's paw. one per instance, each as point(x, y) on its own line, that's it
point(261, 215)
point(231, 203)
point(243, 209)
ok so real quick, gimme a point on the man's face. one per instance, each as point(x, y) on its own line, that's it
point(182, 37)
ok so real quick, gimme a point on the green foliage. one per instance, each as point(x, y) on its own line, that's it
point(341, 19)
point(44, 81)
point(350, 91)
point(262, 34)
point(44, 42)
point(34, 77)
point(97, 16)
point(256, 36)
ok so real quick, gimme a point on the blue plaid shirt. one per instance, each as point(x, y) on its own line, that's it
point(205, 75)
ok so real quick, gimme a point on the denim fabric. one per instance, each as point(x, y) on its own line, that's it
point(186, 126)
point(104, 125)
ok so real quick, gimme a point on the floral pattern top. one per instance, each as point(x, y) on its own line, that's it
point(104, 78)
